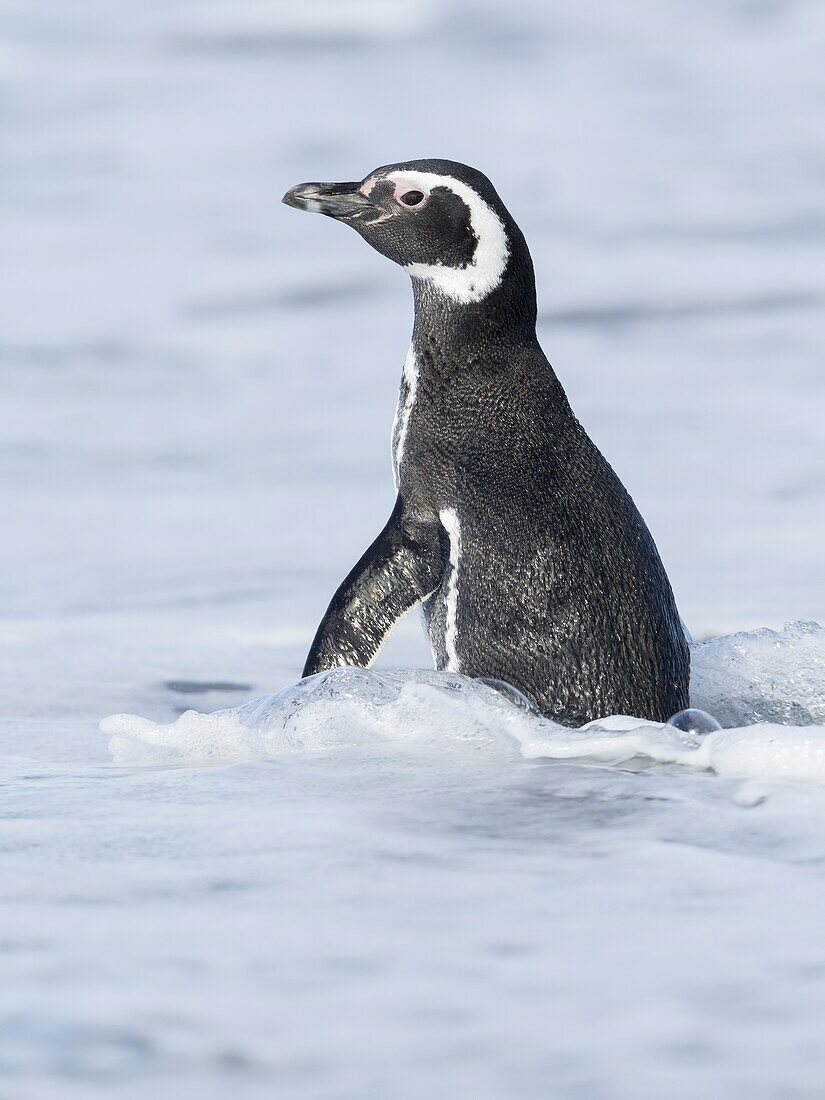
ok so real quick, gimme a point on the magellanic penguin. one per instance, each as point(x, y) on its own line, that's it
point(529, 557)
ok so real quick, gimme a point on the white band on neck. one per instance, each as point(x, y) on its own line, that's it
point(484, 272)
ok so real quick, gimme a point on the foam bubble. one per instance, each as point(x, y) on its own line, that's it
point(693, 720)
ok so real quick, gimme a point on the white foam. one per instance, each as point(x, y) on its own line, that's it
point(762, 676)
point(766, 686)
point(764, 751)
point(351, 706)
point(339, 708)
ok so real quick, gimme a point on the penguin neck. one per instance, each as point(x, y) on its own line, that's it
point(505, 318)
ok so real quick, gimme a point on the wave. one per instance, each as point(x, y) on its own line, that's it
point(767, 688)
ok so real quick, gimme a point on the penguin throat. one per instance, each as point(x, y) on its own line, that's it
point(460, 332)
point(473, 281)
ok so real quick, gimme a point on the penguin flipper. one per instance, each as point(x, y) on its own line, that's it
point(402, 568)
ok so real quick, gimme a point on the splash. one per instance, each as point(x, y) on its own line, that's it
point(767, 687)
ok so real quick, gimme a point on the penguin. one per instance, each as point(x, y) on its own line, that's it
point(511, 530)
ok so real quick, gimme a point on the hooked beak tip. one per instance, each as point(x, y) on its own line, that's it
point(336, 200)
point(301, 196)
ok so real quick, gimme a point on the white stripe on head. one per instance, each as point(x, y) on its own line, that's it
point(450, 522)
point(484, 272)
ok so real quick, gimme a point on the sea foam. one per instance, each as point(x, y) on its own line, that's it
point(766, 687)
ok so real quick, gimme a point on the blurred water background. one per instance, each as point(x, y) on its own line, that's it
point(197, 391)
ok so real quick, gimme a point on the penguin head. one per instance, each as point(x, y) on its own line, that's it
point(441, 220)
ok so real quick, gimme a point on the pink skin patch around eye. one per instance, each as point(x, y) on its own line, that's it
point(400, 186)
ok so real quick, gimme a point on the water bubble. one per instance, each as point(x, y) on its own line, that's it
point(511, 694)
point(694, 721)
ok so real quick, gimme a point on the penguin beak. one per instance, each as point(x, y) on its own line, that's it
point(336, 200)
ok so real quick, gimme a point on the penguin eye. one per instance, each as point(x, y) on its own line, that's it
point(412, 198)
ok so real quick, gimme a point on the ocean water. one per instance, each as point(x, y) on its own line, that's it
point(392, 884)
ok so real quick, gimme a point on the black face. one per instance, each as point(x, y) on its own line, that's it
point(405, 211)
